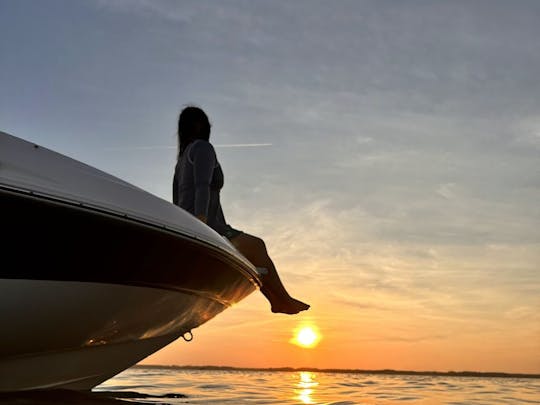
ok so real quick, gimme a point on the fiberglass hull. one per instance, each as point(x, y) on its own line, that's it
point(89, 288)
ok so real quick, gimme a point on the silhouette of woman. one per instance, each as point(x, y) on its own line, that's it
point(198, 179)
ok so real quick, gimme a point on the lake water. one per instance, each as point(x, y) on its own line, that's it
point(187, 386)
point(167, 385)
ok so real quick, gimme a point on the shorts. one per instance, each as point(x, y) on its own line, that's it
point(229, 232)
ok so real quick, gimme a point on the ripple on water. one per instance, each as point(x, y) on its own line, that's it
point(215, 387)
point(521, 400)
point(407, 398)
point(348, 392)
point(351, 384)
point(128, 387)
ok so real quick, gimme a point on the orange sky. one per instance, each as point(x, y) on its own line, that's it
point(247, 337)
point(363, 328)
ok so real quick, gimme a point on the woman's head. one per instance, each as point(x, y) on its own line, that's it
point(193, 124)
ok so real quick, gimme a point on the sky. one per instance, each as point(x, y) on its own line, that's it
point(393, 167)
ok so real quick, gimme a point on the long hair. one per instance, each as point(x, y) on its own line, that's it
point(193, 124)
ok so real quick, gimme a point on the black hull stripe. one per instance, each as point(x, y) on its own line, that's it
point(50, 239)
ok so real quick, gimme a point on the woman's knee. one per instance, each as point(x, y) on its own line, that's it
point(258, 244)
point(251, 244)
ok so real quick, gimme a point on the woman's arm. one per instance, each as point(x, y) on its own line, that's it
point(204, 162)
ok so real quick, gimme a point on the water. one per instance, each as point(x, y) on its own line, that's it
point(200, 386)
point(165, 385)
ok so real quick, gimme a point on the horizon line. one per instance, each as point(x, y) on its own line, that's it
point(462, 373)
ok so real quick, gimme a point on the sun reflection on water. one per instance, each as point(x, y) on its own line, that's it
point(305, 388)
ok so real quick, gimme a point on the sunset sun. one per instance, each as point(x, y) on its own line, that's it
point(306, 336)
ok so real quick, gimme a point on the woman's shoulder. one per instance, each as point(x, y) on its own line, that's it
point(202, 144)
point(201, 148)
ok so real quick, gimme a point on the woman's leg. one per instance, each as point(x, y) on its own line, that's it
point(254, 249)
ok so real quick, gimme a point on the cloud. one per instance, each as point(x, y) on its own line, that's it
point(358, 303)
point(527, 134)
point(446, 191)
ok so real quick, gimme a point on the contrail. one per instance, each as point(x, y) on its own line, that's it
point(242, 145)
point(113, 149)
point(158, 147)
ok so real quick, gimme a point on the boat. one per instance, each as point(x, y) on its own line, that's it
point(96, 274)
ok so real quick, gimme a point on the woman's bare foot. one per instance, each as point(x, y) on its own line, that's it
point(281, 302)
point(291, 307)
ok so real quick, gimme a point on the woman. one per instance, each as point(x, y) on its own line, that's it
point(198, 179)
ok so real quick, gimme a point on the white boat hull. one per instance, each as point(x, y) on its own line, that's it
point(76, 335)
point(96, 274)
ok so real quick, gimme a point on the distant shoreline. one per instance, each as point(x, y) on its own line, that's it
point(351, 371)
